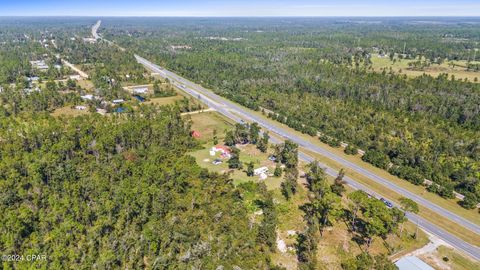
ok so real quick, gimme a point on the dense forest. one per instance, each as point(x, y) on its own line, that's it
point(417, 128)
point(117, 192)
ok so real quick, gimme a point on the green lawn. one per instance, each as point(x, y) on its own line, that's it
point(205, 123)
point(161, 101)
point(68, 111)
point(248, 154)
point(447, 258)
point(401, 65)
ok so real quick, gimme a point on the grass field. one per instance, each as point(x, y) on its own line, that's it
point(68, 111)
point(401, 66)
point(86, 84)
point(446, 258)
point(205, 123)
point(161, 101)
point(248, 154)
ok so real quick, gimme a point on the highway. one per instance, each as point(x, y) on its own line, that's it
point(98, 37)
point(239, 114)
point(95, 29)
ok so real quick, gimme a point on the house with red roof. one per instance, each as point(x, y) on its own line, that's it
point(225, 151)
point(196, 134)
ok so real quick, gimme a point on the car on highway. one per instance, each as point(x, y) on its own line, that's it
point(387, 203)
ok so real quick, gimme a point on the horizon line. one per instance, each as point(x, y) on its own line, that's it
point(241, 16)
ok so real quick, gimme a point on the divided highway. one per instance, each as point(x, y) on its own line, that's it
point(239, 114)
point(95, 29)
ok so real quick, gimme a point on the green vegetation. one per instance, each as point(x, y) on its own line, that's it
point(416, 128)
point(289, 216)
point(118, 168)
point(140, 189)
point(460, 69)
point(445, 257)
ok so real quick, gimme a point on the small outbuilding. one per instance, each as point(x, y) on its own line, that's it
point(87, 97)
point(412, 263)
point(195, 134)
point(140, 90)
point(260, 171)
point(118, 101)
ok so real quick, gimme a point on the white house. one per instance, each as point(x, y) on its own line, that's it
point(140, 90)
point(80, 108)
point(30, 90)
point(261, 170)
point(118, 101)
point(87, 97)
point(75, 77)
point(224, 151)
point(39, 64)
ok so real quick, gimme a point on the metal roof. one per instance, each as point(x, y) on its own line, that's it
point(412, 263)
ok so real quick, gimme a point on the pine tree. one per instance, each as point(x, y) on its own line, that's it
point(267, 232)
point(289, 185)
point(229, 138)
point(234, 161)
point(338, 186)
point(278, 170)
point(250, 169)
point(215, 137)
point(262, 145)
point(254, 133)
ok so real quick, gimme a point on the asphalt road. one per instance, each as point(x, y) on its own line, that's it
point(239, 114)
point(95, 29)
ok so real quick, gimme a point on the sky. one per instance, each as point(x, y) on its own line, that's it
point(238, 8)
